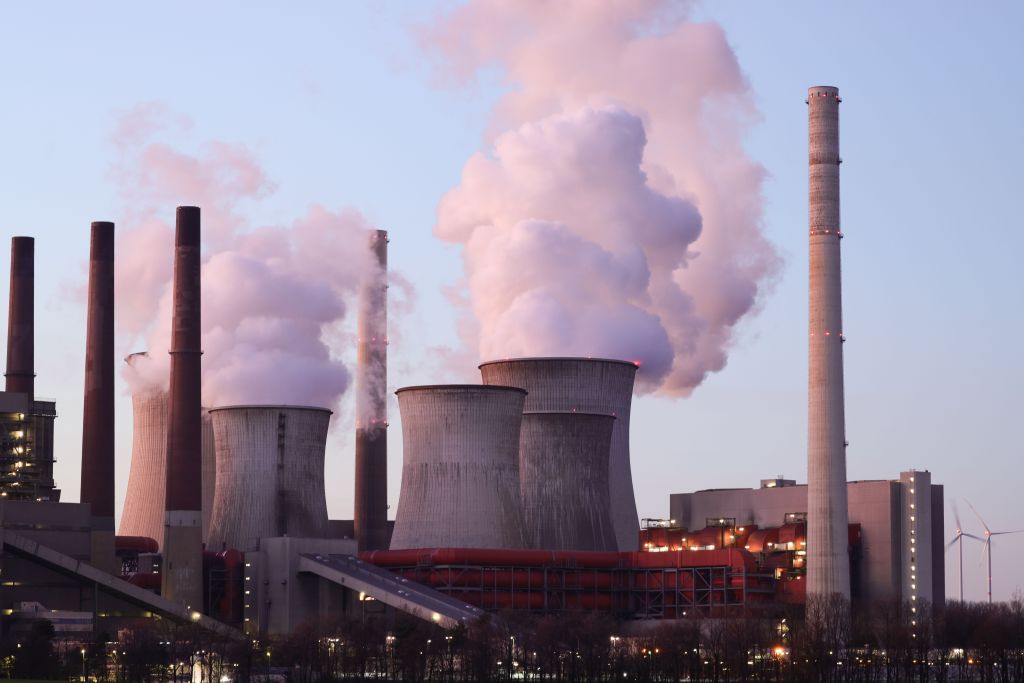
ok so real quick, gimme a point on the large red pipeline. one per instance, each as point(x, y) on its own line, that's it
point(21, 318)
point(98, 411)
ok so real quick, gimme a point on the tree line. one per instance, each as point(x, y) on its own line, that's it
point(866, 643)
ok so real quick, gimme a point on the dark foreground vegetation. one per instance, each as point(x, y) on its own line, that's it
point(962, 642)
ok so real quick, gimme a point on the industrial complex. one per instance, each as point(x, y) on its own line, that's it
point(516, 494)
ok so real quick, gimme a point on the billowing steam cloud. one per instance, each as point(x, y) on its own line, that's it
point(616, 213)
point(274, 298)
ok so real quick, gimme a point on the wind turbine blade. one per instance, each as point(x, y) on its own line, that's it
point(953, 542)
point(1000, 533)
point(984, 548)
point(977, 515)
point(976, 538)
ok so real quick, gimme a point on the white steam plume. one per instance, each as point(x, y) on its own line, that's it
point(616, 212)
point(274, 298)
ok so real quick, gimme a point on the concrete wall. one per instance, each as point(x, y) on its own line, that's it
point(589, 385)
point(938, 545)
point(61, 526)
point(875, 506)
point(270, 474)
point(460, 476)
point(277, 599)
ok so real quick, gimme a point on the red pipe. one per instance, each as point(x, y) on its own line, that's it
point(139, 544)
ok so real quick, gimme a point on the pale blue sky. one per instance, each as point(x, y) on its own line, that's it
point(339, 106)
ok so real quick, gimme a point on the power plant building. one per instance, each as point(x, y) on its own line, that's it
point(896, 531)
point(26, 441)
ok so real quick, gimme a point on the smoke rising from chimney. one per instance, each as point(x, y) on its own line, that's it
point(615, 212)
point(274, 298)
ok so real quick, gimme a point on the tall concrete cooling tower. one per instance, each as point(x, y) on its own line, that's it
point(563, 480)
point(182, 571)
point(828, 562)
point(270, 474)
point(590, 385)
point(371, 483)
point(143, 511)
point(98, 407)
point(460, 478)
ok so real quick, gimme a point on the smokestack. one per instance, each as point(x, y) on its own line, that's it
point(183, 544)
point(371, 506)
point(20, 322)
point(828, 562)
point(98, 410)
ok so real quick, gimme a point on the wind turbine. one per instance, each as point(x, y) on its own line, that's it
point(958, 538)
point(988, 544)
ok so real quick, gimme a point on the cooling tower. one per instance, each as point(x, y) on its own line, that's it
point(270, 474)
point(98, 409)
point(183, 521)
point(563, 480)
point(828, 562)
point(21, 372)
point(371, 490)
point(589, 385)
point(143, 511)
point(460, 476)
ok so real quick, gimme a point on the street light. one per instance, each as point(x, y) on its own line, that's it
point(83, 663)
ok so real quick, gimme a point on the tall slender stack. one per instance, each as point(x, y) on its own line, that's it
point(183, 543)
point(371, 507)
point(21, 372)
point(98, 409)
point(828, 562)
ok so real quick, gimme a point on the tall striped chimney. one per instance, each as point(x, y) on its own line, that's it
point(371, 494)
point(828, 562)
point(98, 409)
point(183, 530)
point(21, 372)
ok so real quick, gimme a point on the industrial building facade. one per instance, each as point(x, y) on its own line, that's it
point(896, 540)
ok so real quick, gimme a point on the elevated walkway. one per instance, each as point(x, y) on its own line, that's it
point(397, 592)
point(16, 543)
